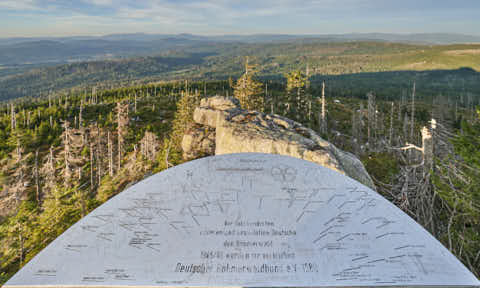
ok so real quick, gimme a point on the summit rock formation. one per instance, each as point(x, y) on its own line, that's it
point(222, 127)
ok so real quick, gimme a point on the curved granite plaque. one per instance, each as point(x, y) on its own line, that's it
point(251, 220)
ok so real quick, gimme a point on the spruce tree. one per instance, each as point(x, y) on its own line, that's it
point(249, 91)
point(183, 117)
point(297, 101)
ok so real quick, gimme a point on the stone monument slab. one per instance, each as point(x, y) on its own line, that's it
point(245, 220)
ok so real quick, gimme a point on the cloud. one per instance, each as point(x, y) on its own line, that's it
point(100, 2)
point(239, 17)
point(18, 5)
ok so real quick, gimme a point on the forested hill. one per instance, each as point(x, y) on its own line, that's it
point(43, 50)
point(214, 61)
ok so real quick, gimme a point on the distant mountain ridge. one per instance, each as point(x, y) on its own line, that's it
point(428, 38)
point(417, 38)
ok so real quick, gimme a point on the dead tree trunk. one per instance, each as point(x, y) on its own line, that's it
point(21, 249)
point(92, 182)
point(323, 115)
point(355, 126)
point(371, 120)
point(412, 121)
point(135, 107)
point(391, 126)
point(405, 127)
point(66, 145)
point(122, 126)
point(428, 146)
point(13, 118)
point(37, 182)
point(98, 151)
point(80, 115)
point(50, 160)
point(110, 154)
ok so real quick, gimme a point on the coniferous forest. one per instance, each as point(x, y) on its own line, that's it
point(65, 152)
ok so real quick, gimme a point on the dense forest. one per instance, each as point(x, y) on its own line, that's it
point(379, 66)
point(83, 132)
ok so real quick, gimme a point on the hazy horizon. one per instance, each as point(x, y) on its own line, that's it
point(62, 18)
point(243, 34)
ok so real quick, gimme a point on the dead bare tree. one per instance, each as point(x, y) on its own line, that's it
point(51, 159)
point(110, 154)
point(92, 181)
point(13, 117)
point(356, 130)
point(390, 138)
point(122, 126)
point(323, 120)
point(371, 120)
point(412, 121)
point(36, 176)
point(80, 119)
point(99, 150)
point(66, 146)
point(135, 107)
point(149, 146)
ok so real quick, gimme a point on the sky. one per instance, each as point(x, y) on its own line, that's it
point(27, 18)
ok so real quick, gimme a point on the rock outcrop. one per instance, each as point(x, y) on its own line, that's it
point(221, 127)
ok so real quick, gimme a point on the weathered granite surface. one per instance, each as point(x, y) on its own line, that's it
point(235, 131)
